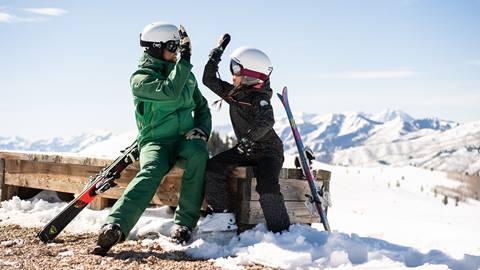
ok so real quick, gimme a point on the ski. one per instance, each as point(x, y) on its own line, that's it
point(316, 197)
point(97, 184)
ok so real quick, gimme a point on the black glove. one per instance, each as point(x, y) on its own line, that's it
point(245, 147)
point(217, 52)
point(185, 45)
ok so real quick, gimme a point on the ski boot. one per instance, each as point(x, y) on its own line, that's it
point(275, 212)
point(109, 235)
point(180, 234)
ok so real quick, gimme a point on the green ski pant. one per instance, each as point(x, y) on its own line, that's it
point(156, 159)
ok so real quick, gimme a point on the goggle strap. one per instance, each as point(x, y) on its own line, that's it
point(158, 44)
point(253, 74)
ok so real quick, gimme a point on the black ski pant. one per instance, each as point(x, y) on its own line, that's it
point(217, 191)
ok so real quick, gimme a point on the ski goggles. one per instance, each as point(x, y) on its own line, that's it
point(239, 70)
point(172, 46)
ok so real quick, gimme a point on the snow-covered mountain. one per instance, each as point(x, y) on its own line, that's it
point(72, 145)
point(389, 137)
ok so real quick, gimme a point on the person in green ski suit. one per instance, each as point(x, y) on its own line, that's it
point(174, 122)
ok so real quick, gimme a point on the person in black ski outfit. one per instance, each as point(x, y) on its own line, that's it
point(258, 145)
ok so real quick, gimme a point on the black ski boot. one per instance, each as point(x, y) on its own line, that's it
point(109, 235)
point(181, 234)
point(275, 212)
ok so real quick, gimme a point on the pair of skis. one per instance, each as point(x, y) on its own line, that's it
point(318, 198)
point(98, 184)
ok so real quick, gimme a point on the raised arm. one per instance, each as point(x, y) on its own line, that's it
point(210, 78)
point(148, 84)
point(214, 83)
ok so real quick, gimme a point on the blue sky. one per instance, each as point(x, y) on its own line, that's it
point(65, 65)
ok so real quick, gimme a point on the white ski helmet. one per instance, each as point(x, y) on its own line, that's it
point(253, 64)
point(159, 33)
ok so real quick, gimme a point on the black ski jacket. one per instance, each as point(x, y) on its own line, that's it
point(250, 112)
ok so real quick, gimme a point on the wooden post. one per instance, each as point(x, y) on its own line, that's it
point(98, 203)
point(2, 179)
point(7, 191)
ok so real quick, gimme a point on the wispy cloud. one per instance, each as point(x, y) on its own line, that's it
point(370, 74)
point(39, 14)
point(6, 18)
point(46, 11)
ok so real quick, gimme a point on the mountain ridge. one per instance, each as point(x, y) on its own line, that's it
point(390, 137)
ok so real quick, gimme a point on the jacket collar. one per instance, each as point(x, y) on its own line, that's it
point(159, 65)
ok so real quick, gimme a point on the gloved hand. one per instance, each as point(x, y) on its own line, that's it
point(217, 52)
point(185, 44)
point(196, 133)
point(245, 147)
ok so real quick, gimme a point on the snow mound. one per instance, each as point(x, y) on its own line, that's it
point(305, 247)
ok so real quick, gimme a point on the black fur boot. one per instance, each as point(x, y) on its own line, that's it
point(275, 212)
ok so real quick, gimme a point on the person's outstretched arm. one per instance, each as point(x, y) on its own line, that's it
point(210, 78)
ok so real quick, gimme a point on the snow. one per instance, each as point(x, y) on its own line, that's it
point(456, 149)
point(376, 224)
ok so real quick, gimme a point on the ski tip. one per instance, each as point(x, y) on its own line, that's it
point(283, 94)
point(43, 237)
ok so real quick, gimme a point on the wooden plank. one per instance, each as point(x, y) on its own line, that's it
point(92, 162)
point(292, 189)
point(62, 158)
point(251, 213)
point(78, 173)
point(291, 173)
point(167, 192)
point(61, 183)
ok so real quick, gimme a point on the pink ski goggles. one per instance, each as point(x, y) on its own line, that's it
point(239, 70)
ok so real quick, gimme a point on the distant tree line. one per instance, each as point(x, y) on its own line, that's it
point(217, 145)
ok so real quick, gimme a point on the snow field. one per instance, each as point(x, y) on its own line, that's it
point(383, 218)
